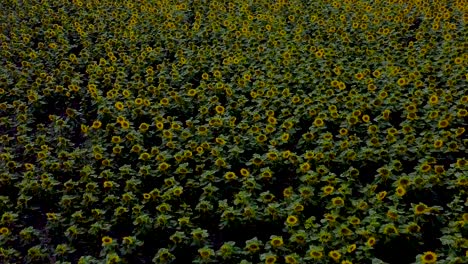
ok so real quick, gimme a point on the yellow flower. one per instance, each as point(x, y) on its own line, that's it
point(462, 113)
point(119, 106)
point(371, 241)
point(244, 172)
point(270, 259)
point(276, 241)
point(434, 99)
point(230, 176)
point(338, 201)
point(359, 76)
point(458, 60)
point(125, 124)
point(376, 73)
point(316, 253)
point(439, 169)
point(96, 124)
point(366, 118)
point(144, 156)
point(143, 127)
point(342, 86)
point(319, 54)
point(106, 241)
point(292, 220)
point(164, 101)
point(108, 184)
point(402, 82)
point(390, 229)
point(219, 109)
point(138, 101)
point(327, 190)
point(381, 195)
point(420, 209)
point(319, 122)
point(335, 255)
point(261, 138)
point(351, 248)
point(343, 131)
point(304, 167)
point(116, 139)
point(163, 166)
point(429, 257)
point(371, 87)
point(400, 191)
point(443, 123)
point(4, 231)
point(290, 259)
point(425, 167)
point(438, 143)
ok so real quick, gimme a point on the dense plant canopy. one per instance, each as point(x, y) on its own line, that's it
point(288, 131)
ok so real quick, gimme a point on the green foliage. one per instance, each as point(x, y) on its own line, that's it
point(233, 131)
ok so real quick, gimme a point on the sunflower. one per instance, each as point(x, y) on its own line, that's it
point(359, 76)
point(400, 191)
point(163, 166)
point(125, 124)
point(335, 255)
point(205, 252)
point(462, 112)
point(327, 190)
point(439, 169)
point(219, 109)
point(270, 259)
point(276, 241)
point(106, 241)
point(425, 167)
point(460, 131)
point(261, 138)
point(116, 139)
point(244, 172)
point(413, 228)
point(351, 248)
point(390, 230)
point(96, 124)
point(316, 253)
point(371, 241)
point(290, 259)
point(381, 195)
point(420, 209)
point(271, 120)
point(429, 257)
point(4, 231)
point(143, 127)
point(354, 220)
point(365, 118)
point(434, 99)
point(438, 143)
point(305, 167)
point(291, 220)
point(119, 106)
point(342, 86)
point(319, 122)
point(443, 123)
point(338, 201)
point(458, 60)
point(402, 82)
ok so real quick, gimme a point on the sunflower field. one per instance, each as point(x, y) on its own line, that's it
point(196, 131)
